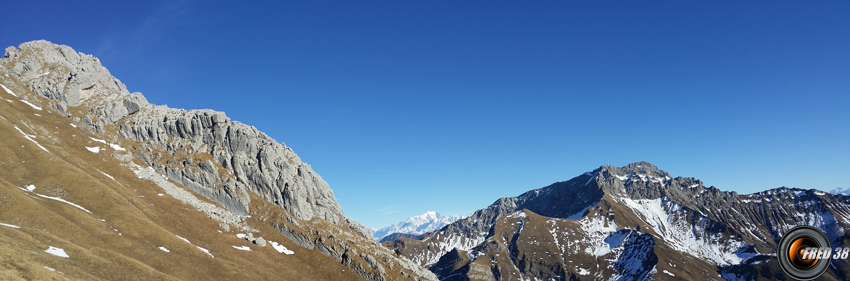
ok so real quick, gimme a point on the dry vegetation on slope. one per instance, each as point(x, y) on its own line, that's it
point(76, 184)
point(129, 221)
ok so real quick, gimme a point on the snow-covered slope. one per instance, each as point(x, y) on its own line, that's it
point(421, 224)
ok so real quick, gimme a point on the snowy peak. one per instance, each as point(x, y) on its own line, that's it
point(841, 191)
point(421, 224)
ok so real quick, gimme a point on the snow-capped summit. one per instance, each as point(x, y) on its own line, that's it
point(842, 191)
point(421, 224)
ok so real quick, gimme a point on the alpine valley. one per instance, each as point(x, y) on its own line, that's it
point(96, 183)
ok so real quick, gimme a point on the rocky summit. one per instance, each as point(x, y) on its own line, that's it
point(82, 156)
point(635, 222)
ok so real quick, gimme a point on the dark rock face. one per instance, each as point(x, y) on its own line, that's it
point(225, 161)
point(628, 223)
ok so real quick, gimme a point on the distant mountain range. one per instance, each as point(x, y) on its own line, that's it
point(842, 191)
point(417, 225)
point(635, 222)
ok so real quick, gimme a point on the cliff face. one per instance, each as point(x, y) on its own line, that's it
point(225, 161)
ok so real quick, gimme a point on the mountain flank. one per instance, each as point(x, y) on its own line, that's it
point(634, 222)
point(121, 185)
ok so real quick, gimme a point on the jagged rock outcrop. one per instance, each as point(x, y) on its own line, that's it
point(223, 160)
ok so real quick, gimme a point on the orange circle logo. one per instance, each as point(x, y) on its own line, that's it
point(797, 251)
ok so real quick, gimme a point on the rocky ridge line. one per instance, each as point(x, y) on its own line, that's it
point(203, 150)
point(724, 229)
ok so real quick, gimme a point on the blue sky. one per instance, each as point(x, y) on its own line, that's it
point(409, 106)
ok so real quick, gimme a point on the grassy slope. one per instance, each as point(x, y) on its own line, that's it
point(126, 205)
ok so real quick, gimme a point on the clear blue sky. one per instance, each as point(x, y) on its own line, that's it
point(409, 106)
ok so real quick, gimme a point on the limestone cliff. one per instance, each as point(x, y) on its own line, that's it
point(223, 160)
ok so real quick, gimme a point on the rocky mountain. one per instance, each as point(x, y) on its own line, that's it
point(82, 156)
point(416, 225)
point(841, 191)
point(635, 222)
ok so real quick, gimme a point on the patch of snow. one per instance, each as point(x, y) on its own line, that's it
point(697, 239)
point(184, 239)
point(56, 252)
point(105, 174)
point(45, 267)
point(518, 214)
point(597, 235)
point(30, 187)
point(243, 248)
point(112, 145)
point(72, 125)
point(55, 198)
point(116, 147)
point(164, 249)
point(583, 271)
point(95, 149)
point(160, 194)
point(36, 114)
point(447, 243)
point(668, 273)
point(205, 251)
point(241, 235)
point(280, 248)
point(7, 90)
point(32, 105)
point(31, 138)
point(580, 214)
point(590, 179)
point(9, 225)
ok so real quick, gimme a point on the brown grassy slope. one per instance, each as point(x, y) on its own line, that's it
point(119, 240)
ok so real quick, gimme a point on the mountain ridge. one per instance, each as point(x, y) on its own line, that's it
point(415, 225)
point(229, 163)
point(725, 235)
